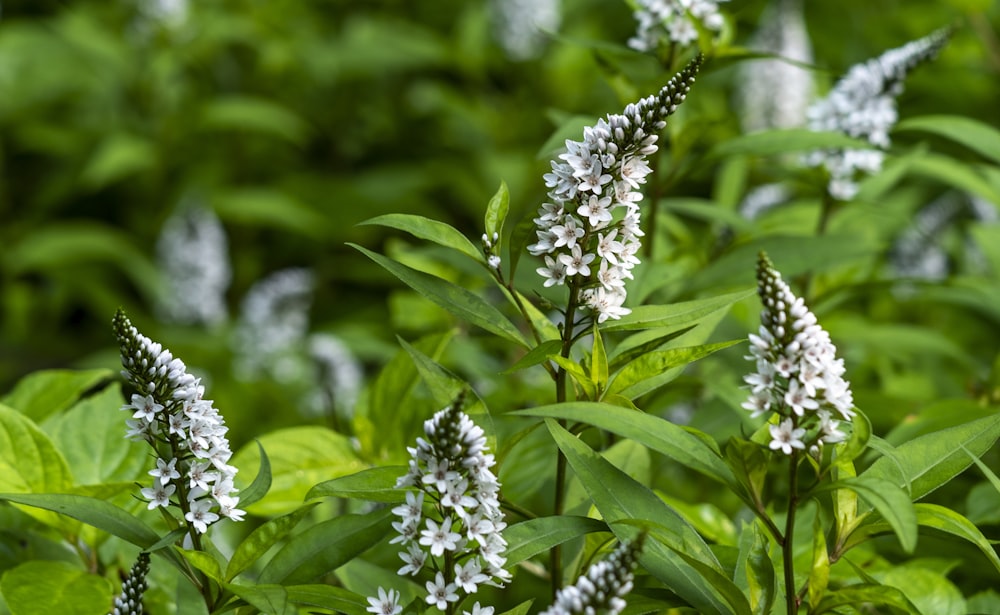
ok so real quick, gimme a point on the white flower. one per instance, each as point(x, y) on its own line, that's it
point(413, 558)
point(200, 515)
point(387, 603)
point(158, 495)
point(786, 437)
point(165, 471)
point(470, 576)
point(439, 538)
point(478, 610)
point(440, 593)
point(576, 262)
point(412, 510)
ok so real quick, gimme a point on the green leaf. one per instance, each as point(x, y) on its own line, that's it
point(326, 546)
point(676, 314)
point(119, 155)
point(203, 562)
point(529, 538)
point(580, 376)
point(299, 458)
point(598, 362)
point(866, 592)
point(261, 483)
point(374, 484)
point(455, 299)
point(747, 462)
point(29, 461)
point(861, 433)
point(637, 345)
point(977, 136)
point(948, 521)
point(754, 570)
point(771, 142)
point(653, 364)
point(47, 392)
point(262, 539)
point(955, 173)
point(431, 230)
point(106, 456)
point(932, 460)
point(538, 354)
point(328, 597)
point(269, 208)
point(928, 590)
point(618, 497)
point(889, 500)
point(819, 572)
point(496, 212)
point(653, 432)
point(54, 587)
point(265, 598)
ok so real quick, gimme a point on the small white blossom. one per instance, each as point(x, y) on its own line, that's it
point(387, 603)
point(786, 437)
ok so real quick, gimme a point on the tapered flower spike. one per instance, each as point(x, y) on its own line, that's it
point(799, 376)
point(863, 105)
point(129, 601)
point(604, 587)
point(588, 232)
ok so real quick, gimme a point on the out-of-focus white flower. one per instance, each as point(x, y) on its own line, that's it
point(673, 20)
point(863, 105)
point(193, 255)
point(522, 26)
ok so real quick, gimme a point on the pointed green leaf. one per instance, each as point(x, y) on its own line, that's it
point(747, 462)
point(98, 513)
point(326, 546)
point(619, 497)
point(453, 298)
point(375, 484)
point(574, 369)
point(328, 597)
point(676, 314)
point(538, 354)
point(529, 538)
point(858, 594)
point(977, 136)
point(771, 142)
point(431, 230)
point(819, 573)
point(261, 483)
point(951, 522)
point(754, 570)
point(598, 362)
point(496, 211)
point(29, 461)
point(927, 462)
point(203, 562)
point(265, 598)
point(657, 434)
point(890, 501)
point(263, 538)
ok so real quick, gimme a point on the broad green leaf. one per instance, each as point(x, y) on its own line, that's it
point(780, 142)
point(754, 571)
point(977, 136)
point(328, 597)
point(932, 460)
point(119, 155)
point(261, 483)
point(250, 114)
point(529, 538)
point(620, 498)
point(929, 591)
point(299, 458)
point(637, 345)
point(453, 298)
point(538, 354)
point(937, 416)
point(865, 592)
point(522, 609)
point(496, 212)
point(653, 364)
point(29, 461)
point(43, 393)
point(676, 314)
point(263, 538)
point(326, 546)
point(707, 518)
point(106, 455)
point(948, 521)
point(889, 500)
point(954, 173)
point(54, 587)
point(265, 598)
point(431, 230)
point(374, 484)
point(657, 434)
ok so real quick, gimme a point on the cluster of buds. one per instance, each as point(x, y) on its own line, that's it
point(187, 433)
point(452, 523)
point(863, 105)
point(674, 18)
point(603, 588)
point(490, 247)
point(593, 213)
point(799, 376)
point(129, 601)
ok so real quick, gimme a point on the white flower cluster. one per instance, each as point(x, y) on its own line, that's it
point(129, 601)
point(783, 33)
point(603, 587)
point(169, 412)
point(675, 18)
point(594, 192)
point(799, 376)
point(863, 105)
point(523, 26)
point(273, 323)
point(452, 469)
point(192, 254)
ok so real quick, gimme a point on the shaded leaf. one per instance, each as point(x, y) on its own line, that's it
point(534, 536)
point(263, 538)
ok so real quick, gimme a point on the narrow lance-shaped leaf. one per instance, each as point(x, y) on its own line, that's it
point(496, 212)
point(374, 484)
point(534, 536)
point(453, 298)
point(431, 230)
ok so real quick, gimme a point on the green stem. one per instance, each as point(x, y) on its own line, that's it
point(787, 546)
